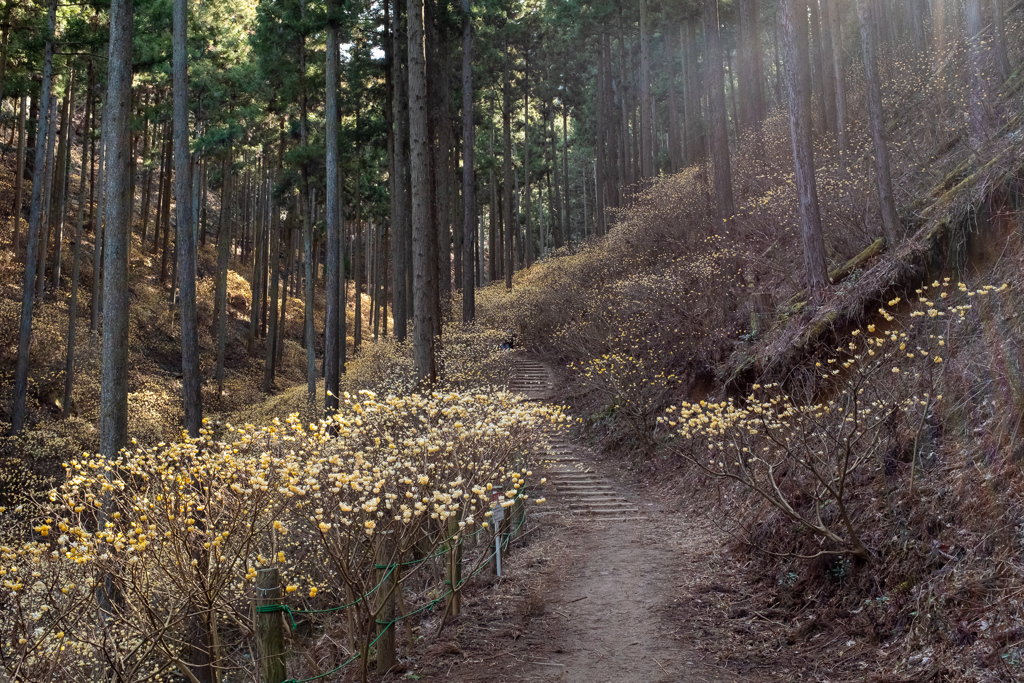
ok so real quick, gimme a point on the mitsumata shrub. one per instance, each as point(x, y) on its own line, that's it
point(177, 531)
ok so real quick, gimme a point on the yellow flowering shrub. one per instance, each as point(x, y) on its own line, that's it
point(801, 454)
point(178, 530)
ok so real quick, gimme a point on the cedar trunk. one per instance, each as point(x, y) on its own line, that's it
point(419, 143)
point(887, 205)
point(186, 244)
point(717, 115)
point(468, 187)
point(798, 87)
point(18, 412)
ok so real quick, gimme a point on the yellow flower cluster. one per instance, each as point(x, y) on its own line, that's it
point(185, 526)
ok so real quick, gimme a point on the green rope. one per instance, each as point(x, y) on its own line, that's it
point(266, 609)
point(387, 625)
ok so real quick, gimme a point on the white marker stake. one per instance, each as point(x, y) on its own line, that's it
point(497, 553)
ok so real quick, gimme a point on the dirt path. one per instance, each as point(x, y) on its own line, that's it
point(610, 616)
point(595, 594)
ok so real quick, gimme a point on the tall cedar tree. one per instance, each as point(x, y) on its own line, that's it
point(883, 180)
point(717, 113)
point(798, 86)
point(18, 413)
point(423, 325)
point(468, 188)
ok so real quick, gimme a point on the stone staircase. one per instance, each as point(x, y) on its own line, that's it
point(532, 379)
point(572, 484)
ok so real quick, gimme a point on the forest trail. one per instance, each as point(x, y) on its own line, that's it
point(608, 579)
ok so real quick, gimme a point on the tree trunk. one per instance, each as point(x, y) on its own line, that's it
point(798, 86)
point(494, 240)
point(468, 186)
point(819, 78)
point(342, 288)
point(186, 245)
point(97, 234)
point(613, 169)
point(165, 161)
point(442, 116)
point(566, 221)
point(306, 207)
point(400, 226)
point(204, 207)
point(423, 328)
point(5, 33)
point(117, 234)
point(289, 261)
point(269, 364)
point(331, 276)
point(166, 209)
point(752, 101)
point(732, 94)
point(19, 178)
point(717, 115)
point(918, 12)
point(147, 182)
point(59, 203)
point(18, 412)
point(675, 151)
point(458, 218)
point(981, 64)
point(646, 121)
point(832, 11)
point(507, 178)
point(554, 184)
point(692, 96)
point(203, 641)
point(999, 40)
point(778, 62)
point(378, 267)
point(828, 75)
point(47, 208)
point(220, 313)
point(357, 276)
point(259, 267)
point(69, 365)
point(887, 205)
point(626, 175)
point(527, 169)
point(601, 134)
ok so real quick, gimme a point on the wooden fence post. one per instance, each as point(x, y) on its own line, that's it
point(269, 626)
point(385, 612)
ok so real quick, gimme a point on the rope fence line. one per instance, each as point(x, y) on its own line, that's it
point(483, 562)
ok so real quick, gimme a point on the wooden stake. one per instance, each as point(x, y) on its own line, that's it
point(269, 627)
point(385, 611)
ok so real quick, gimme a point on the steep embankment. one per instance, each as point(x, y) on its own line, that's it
point(861, 456)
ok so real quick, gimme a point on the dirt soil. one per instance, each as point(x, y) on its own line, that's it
point(592, 602)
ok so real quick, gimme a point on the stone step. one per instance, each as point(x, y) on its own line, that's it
point(589, 489)
point(610, 518)
point(597, 499)
point(605, 508)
